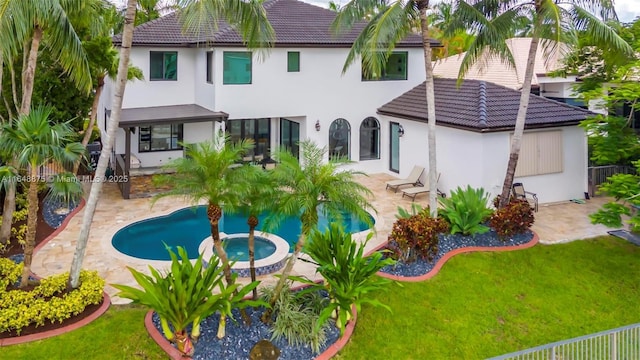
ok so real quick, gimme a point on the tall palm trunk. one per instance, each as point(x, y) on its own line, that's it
point(215, 213)
point(105, 154)
point(516, 141)
point(431, 109)
point(32, 221)
point(7, 213)
point(28, 75)
point(266, 316)
point(92, 119)
point(252, 222)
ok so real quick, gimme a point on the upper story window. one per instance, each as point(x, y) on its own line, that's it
point(209, 67)
point(160, 137)
point(293, 61)
point(396, 68)
point(236, 67)
point(163, 65)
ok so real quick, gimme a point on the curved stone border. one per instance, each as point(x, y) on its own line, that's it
point(106, 302)
point(62, 226)
point(453, 253)
point(165, 345)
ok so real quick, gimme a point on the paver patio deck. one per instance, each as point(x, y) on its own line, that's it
point(554, 223)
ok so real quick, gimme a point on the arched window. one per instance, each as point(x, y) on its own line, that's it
point(339, 139)
point(369, 139)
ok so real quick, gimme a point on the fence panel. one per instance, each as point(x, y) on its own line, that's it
point(599, 174)
point(622, 343)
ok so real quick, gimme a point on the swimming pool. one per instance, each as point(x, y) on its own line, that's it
point(188, 227)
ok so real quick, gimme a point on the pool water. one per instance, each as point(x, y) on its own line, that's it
point(188, 227)
point(237, 248)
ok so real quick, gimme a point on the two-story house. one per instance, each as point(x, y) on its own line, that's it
point(198, 86)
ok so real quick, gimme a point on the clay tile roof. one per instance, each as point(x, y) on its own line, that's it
point(481, 106)
point(294, 22)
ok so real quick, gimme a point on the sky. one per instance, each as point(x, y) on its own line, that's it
point(627, 9)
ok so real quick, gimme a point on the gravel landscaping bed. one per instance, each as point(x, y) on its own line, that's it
point(239, 339)
point(447, 243)
point(54, 212)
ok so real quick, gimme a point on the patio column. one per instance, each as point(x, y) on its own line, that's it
point(126, 186)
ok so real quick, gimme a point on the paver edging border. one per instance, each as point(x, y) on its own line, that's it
point(534, 240)
point(327, 354)
point(106, 302)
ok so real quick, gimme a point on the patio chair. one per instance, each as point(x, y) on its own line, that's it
point(412, 192)
point(518, 192)
point(412, 179)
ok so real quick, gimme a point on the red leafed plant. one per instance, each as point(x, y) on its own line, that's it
point(415, 236)
point(515, 218)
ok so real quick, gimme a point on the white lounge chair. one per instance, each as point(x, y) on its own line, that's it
point(412, 179)
point(412, 192)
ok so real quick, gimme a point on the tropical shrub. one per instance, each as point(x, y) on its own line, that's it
point(187, 294)
point(466, 210)
point(350, 277)
point(415, 210)
point(416, 236)
point(515, 218)
point(47, 302)
point(297, 317)
point(624, 189)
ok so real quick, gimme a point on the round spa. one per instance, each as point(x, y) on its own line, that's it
point(270, 252)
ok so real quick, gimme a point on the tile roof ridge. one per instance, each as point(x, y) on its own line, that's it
point(161, 18)
point(482, 103)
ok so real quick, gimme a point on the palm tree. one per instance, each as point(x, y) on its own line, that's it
point(23, 25)
point(387, 24)
point(249, 19)
point(258, 197)
point(308, 186)
point(554, 22)
point(34, 142)
point(207, 172)
point(105, 154)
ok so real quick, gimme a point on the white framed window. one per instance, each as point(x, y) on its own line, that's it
point(540, 153)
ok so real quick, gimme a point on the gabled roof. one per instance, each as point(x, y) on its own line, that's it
point(295, 24)
point(481, 106)
point(497, 71)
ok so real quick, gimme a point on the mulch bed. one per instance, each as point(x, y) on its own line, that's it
point(42, 233)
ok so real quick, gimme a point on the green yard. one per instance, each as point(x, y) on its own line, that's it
point(480, 305)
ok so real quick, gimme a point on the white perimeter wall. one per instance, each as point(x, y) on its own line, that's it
point(480, 160)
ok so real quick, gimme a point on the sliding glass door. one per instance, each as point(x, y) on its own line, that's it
point(290, 136)
point(394, 148)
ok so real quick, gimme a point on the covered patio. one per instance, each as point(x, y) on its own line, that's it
point(136, 182)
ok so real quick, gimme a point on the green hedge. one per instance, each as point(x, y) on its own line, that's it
point(47, 301)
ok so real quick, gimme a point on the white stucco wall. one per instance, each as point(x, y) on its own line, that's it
point(480, 160)
point(145, 93)
point(318, 92)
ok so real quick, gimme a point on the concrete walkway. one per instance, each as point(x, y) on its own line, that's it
point(554, 223)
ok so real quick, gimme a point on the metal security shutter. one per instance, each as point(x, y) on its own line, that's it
point(540, 153)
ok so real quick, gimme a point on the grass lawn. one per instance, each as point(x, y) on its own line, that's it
point(479, 305)
point(118, 334)
point(486, 304)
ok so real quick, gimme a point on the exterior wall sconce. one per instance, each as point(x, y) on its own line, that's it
point(400, 131)
point(317, 125)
